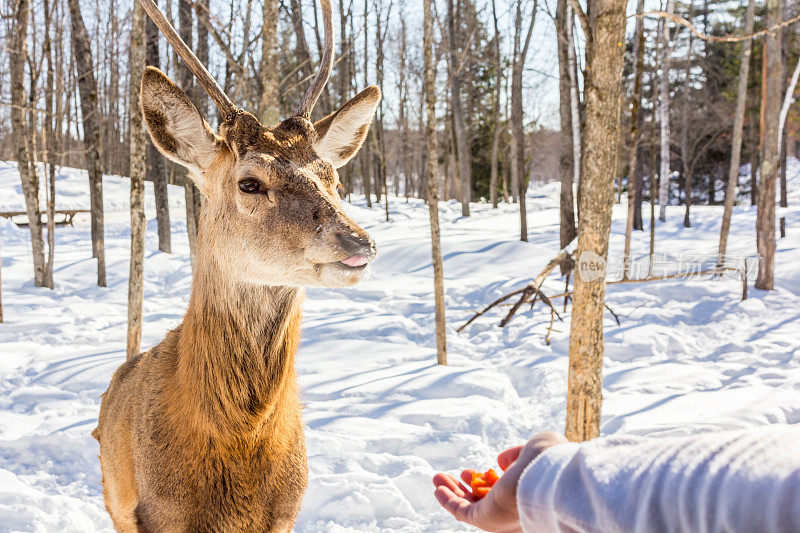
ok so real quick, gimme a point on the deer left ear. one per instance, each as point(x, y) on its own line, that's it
point(340, 135)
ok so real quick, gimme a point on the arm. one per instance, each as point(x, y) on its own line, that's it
point(734, 481)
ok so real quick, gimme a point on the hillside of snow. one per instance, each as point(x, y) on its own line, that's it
point(689, 356)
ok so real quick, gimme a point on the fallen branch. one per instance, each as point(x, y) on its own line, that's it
point(533, 289)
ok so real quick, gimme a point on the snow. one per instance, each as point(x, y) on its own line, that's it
point(381, 416)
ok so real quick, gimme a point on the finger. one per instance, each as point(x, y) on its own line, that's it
point(466, 475)
point(451, 483)
point(458, 507)
point(509, 456)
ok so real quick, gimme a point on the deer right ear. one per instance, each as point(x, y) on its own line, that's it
point(175, 124)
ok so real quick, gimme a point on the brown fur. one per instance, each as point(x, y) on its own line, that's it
point(203, 432)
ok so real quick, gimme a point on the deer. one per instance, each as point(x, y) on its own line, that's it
point(203, 432)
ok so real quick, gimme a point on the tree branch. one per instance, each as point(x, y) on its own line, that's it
point(713, 38)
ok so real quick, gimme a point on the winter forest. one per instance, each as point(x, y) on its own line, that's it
point(489, 218)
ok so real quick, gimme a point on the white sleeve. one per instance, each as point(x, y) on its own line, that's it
point(738, 481)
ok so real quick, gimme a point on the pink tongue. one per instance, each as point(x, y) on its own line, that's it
point(356, 260)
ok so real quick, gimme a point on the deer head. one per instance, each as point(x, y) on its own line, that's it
point(272, 213)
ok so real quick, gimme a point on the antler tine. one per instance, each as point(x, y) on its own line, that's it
point(325, 66)
point(227, 109)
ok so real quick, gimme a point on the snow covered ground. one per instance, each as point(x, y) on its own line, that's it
point(381, 416)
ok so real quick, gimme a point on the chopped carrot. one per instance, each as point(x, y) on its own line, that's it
point(480, 492)
point(481, 484)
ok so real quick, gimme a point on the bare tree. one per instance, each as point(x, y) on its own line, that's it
point(496, 110)
point(138, 173)
point(771, 99)
point(90, 111)
point(663, 107)
point(48, 133)
point(192, 195)
point(604, 28)
point(686, 163)
point(517, 115)
point(633, 137)
point(567, 165)
point(574, 101)
point(463, 154)
point(21, 135)
point(738, 123)
point(432, 179)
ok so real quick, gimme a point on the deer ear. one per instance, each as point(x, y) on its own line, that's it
point(175, 124)
point(340, 134)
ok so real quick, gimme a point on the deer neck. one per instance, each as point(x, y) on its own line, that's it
point(236, 349)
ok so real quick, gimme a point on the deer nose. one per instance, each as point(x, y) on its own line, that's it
point(359, 249)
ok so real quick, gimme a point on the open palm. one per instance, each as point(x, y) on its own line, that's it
point(497, 512)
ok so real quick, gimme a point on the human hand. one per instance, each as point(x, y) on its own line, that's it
point(496, 512)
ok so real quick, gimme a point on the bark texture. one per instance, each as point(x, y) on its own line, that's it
point(90, 113)
point(517, 116)
point(463, 153)
point(21, 134)
point(432, 182)
point(270, 96)
point(736, 142)
point(138, 173)
point(663, 111)
point(603, 98)
point(770, 153)
point(633, 138)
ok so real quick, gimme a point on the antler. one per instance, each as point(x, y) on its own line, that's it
point(227, 109)
point(325, 65)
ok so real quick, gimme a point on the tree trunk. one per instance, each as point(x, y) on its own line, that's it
point(270, 96)
point(496, 111)
point(771, 100)
point(90, 111)
point(21, 134)
point(633, 138)
point(156, 169)
point(664, 97)
point(463, 153)
point(653, 185)
point(567, 230)
point(685, 155)
point(603, 103)
point(574, 101)
point(736, 143)
point(517, 115)
point(138, 137)
point(753, 136)
point(380, 138)
point(184, 75)
point(366, 151)
point(432, 186)
point(48, 133)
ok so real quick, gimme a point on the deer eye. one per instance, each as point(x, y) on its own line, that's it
point(249, 186)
